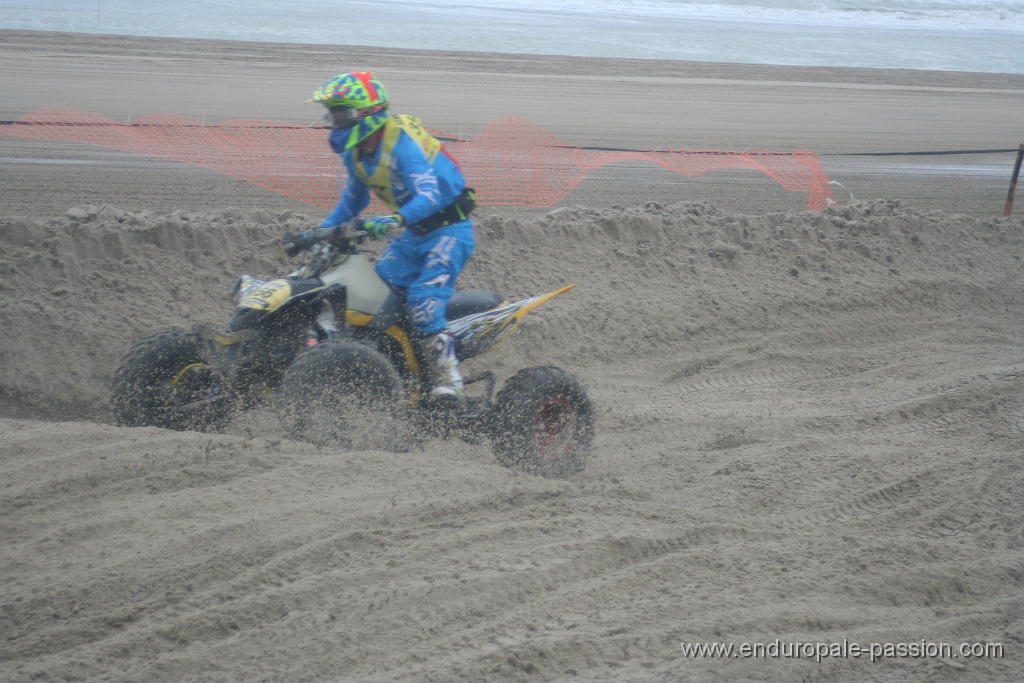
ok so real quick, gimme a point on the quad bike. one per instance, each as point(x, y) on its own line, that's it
point(329, 349)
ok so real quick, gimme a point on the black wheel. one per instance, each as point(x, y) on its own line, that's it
point(342, 393)
point(544, 423)
point(164, 381)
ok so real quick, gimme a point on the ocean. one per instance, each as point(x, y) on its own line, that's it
point(948, 35)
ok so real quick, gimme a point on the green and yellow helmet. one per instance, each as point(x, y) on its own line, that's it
point(356, 102)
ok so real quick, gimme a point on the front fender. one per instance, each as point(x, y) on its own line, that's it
point(265, 299)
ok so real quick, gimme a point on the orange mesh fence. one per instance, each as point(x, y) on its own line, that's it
point(510, 161)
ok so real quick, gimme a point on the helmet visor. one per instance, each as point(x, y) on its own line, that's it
point(342, 118)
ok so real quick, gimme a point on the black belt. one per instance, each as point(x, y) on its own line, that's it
point(456, 212)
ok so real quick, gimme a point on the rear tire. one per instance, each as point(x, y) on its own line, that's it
point(342, 393)
point(164, 381)
point(544, 423)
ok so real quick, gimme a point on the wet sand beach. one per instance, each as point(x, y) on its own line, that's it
point(810, 423)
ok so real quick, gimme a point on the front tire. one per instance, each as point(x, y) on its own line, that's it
point(164, 381)
point(342, 393)
point(544, 423)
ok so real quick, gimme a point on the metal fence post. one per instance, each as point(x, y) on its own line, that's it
point(1013, 180)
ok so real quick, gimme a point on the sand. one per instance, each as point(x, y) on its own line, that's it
point(810, 424)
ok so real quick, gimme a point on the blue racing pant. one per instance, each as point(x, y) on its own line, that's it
point(427, 268)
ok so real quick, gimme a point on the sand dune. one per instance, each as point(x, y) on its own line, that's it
point(810, 427)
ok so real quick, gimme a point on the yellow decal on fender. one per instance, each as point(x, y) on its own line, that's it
point(518, 315)
point(268, 297)
point(357, 319)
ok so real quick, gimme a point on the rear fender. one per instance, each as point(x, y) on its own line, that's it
point(478, 333)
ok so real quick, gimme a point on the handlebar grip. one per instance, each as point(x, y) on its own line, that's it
point(321, 234)
point(293, 244)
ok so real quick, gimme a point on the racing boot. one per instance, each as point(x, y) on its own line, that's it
point(440, 351)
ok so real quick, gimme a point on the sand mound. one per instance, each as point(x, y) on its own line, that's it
point(655, 280)
point(810, 427)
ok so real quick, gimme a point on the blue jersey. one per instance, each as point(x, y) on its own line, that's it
point(419, 187)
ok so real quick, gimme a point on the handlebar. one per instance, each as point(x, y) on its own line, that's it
point(294, 243)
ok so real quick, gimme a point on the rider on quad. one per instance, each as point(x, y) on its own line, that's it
point(412, 174)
